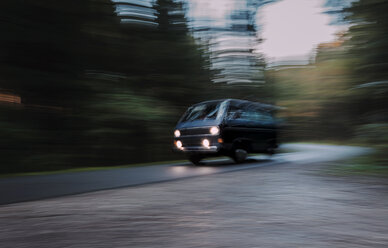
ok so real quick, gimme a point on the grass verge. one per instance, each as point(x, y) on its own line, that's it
point(372, 164)
point(84, 169)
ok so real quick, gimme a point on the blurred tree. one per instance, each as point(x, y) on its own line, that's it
point(157, 72)
point(317, 96)
point(346, 85)
point(94, 89)
point(100, 81)
point(41, 61)
point(41, 46)
point(368, 50)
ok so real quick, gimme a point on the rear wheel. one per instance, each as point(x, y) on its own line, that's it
point(271, 148)
point(270, 151)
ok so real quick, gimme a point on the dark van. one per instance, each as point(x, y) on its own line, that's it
point(226, 127)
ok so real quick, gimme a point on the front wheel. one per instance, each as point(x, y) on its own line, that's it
point(239, 155)
point(195, 159)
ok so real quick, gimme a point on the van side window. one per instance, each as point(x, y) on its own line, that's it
point(233, 113)
point(249, 114)
point(257, 116)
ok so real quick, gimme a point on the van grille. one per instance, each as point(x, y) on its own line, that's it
point(195, 131)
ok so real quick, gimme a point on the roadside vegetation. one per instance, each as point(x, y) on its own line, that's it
point(340, 97)
point(372, 164)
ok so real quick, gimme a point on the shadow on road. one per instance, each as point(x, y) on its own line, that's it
point(230, 162)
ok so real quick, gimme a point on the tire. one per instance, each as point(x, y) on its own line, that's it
point(271, 148)
point(239, 155)
point(270, 151)
point(195, 159)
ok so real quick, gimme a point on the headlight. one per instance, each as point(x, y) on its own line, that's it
point(177, 133)
point(206, 143)
point(178, 144)
point(214, 130)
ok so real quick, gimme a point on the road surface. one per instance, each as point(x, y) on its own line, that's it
point(28, 188)
point(287, 204)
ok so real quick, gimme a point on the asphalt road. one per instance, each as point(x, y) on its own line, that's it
point(285, 204)
point(27, 188)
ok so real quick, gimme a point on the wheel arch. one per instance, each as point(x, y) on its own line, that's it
point(242, 143)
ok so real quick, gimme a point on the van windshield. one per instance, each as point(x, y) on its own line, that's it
point(206, 111)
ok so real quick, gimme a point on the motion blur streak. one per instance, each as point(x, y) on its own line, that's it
point(103, 83)
point(229, 27)
point(90, 83)
point(136, 12)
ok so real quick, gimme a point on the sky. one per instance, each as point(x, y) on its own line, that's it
point(290, 29)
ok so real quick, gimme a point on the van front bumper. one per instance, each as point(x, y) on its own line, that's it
point(198, 149)
point(194, 144)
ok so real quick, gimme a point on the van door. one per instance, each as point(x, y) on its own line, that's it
point(262, 128)
point(235, 127)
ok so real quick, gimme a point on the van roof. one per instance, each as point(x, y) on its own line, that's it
point(239, 102)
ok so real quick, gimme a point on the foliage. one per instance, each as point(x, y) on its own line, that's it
point(94, 90)
point(343, 92)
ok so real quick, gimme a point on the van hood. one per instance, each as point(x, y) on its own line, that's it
point(198, 123)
